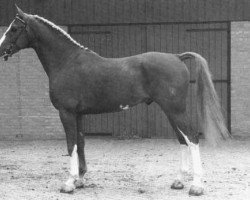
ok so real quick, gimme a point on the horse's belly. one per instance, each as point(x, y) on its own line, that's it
point(112, 105)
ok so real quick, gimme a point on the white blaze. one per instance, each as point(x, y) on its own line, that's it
point(4, 35)
point(2, 39)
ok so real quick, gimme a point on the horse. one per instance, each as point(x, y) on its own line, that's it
point(82, 82)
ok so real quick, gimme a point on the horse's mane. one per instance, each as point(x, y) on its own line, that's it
point(58, 30)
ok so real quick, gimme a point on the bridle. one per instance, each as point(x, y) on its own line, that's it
point(9, 51)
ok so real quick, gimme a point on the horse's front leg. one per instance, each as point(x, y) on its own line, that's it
point(70, 126)
point(80, 150)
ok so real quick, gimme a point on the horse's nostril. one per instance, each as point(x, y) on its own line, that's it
point(6, 58)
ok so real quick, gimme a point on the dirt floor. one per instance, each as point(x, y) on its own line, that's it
point(120, 169)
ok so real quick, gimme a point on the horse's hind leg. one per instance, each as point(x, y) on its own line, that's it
point(184, 168)
point(188, 137)
point(189, 140)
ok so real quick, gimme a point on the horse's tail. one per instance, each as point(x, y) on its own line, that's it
point(209, 109)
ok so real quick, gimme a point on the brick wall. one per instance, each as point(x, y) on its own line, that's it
point(240, 77)
point(25, 109)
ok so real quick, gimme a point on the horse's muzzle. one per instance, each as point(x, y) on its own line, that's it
point(7, 52)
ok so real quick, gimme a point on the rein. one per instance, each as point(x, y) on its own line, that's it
point(9, 51)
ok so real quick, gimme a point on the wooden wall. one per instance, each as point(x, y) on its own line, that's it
point(116, 28)
point(66, 12)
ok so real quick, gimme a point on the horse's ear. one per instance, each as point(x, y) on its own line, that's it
point(20, 13)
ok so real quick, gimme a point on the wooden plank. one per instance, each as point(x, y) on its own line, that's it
point(108, 53)
point(177, 10)
point(103, 48)
point(212, 52)
point(245, 10)
point(209, 14)
point(141, 110)
point(168, 132)
point(127, 52)
point(141, 10)
point(113, 54)
point(224, 100)
point(224, 56)
point(218, 63)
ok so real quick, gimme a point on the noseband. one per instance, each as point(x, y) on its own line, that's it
point(9, 51)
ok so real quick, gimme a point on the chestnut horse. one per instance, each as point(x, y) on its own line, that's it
point(82, 82)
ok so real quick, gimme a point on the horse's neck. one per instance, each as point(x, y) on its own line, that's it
point(53, 51)
point(53, 59)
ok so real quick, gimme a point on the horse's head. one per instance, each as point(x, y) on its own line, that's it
point(16, 37)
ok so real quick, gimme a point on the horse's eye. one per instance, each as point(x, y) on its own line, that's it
point(13, 29)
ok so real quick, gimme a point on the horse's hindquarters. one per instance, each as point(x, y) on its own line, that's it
point(167, 78)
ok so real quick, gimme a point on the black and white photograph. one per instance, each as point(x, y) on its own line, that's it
point(124, 99)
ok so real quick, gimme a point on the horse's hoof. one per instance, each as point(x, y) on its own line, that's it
point(196, 191)
point(79, 183)
point(177, 185)
point(69, 189)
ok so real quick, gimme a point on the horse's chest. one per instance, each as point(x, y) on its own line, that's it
point(63, 97)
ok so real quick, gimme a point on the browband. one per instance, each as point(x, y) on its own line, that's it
point(18, 18)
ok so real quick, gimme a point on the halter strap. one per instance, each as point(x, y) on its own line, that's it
point(18, 18)
point(13, 43)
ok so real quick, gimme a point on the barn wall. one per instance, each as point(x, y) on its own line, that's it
point(240, 76)
point(20, 115)
point(25, 108)
point(128, 11)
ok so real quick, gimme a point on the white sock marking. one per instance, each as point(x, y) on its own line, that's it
point(74, 167)
point(74, 163)
point(197, 166)
point(184, 158)
point(184, 162)
point(196, 160)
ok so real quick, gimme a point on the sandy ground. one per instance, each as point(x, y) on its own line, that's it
point(120, 169)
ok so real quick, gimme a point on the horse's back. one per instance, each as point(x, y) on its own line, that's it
point(156, 70)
